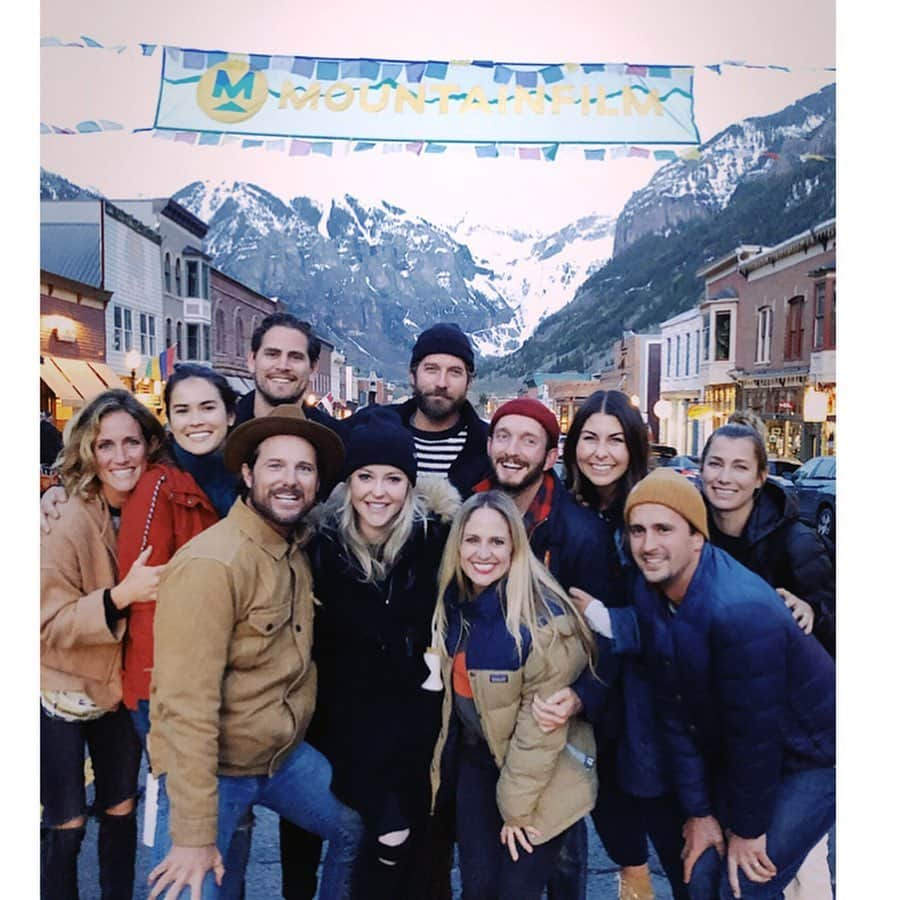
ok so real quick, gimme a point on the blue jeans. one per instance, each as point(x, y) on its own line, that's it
point(299, 791)
point(804, 812)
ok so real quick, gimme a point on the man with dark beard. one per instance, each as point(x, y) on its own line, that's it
point(449, 437)
point(572, 542)
point(234, 685)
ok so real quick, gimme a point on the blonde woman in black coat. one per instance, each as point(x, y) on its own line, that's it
point(375, 559)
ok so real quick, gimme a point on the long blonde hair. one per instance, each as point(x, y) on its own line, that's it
point(375, 561)
point(77, 466)
point(527, 590)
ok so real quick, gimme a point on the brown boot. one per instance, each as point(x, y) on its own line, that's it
point(634, 883)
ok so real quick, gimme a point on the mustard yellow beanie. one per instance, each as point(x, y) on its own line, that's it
point(668, 488)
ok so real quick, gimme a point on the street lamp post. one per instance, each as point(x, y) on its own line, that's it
point(133, 362)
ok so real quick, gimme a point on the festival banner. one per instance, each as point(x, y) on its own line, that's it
point(428, 104)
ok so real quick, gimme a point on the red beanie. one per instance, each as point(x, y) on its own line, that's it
point(532, 409)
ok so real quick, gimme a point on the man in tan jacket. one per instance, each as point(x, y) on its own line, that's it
point(234, 684)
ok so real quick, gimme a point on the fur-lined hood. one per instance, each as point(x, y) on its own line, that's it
point(439, 497)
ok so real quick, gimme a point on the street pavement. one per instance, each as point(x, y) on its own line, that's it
point(264, 871)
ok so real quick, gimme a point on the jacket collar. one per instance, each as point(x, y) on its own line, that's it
point(255, 527)
point(543, 504)
point(696, 595)
point(485, 607)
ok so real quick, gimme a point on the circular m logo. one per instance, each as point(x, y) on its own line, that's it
point(231, 91)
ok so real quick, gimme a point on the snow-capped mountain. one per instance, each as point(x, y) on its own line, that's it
point(537, 273)
point(370, 277)
point(757, 182)
point(55, 187)
point(685, 191)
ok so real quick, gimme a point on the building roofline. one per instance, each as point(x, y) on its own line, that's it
point(736, 256)
point(818, 234)
point(71, 284)
point(130, 221)
point(241, 284)
point(185, 218)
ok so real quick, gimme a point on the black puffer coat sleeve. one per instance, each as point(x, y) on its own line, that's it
point(809, 573)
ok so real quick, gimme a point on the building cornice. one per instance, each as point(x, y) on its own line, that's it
point(186, 219)
point(818, 234)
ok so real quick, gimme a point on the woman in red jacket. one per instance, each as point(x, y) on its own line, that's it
point(172, 503)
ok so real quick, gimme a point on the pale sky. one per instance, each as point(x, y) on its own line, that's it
point(84, 84)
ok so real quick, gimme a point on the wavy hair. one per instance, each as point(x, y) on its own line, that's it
point(618, 405)
point(525, 593)
point(78, 468)
point(375, 560)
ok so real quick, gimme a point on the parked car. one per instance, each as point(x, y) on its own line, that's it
point(781, 466)
point(689, 466)
point(779, 471)
point(814, 483)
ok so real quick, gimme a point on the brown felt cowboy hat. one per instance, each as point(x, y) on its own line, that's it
point(287, 418)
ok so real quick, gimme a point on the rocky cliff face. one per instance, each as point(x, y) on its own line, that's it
point(757, 182)
point(687, 191)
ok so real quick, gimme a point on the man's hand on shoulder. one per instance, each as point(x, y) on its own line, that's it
point(50, 500)
point(186, 867)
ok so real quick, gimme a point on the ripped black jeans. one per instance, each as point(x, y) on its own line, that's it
point(115, 753)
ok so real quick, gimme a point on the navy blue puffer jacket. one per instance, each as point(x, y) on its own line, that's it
point(743, 695)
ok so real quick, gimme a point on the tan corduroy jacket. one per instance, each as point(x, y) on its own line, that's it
point(233, 685)
point(541, 783)
point(78, 562)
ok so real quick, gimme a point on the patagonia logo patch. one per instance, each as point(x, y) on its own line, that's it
point(499, 678)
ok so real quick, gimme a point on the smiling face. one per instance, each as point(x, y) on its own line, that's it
point(664, 547)
point(485, 550)
point(120, 456)
point(519, 453)
point(731, 474)
point(197, 417)
point(601, 453)
point(281, 368)
point(283, 481)
point(377, 494)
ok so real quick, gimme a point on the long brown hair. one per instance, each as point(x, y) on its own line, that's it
point(78, 468)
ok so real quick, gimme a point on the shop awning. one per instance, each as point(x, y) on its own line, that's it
point(80, 374)
point(57, 382)
point(106, 374)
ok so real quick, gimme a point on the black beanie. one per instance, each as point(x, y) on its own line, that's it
point(379, 438)
point(445, 337)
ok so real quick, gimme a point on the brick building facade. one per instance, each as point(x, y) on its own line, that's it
point(72, 345)
point(236, 311)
